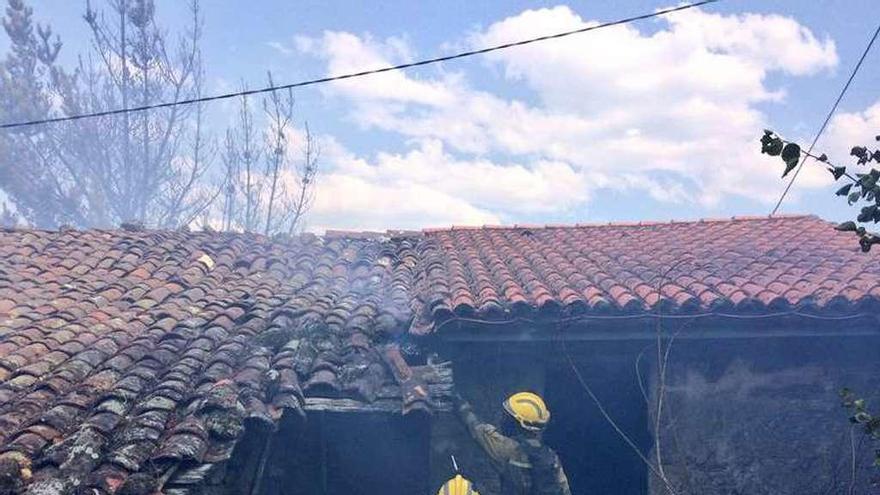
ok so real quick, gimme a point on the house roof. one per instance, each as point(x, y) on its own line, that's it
point(120, 350)
point(129, 351)
point(738, 265)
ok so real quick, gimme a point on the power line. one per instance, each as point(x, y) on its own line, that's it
point(796, 312)
point(322, 80)
point(827, 119)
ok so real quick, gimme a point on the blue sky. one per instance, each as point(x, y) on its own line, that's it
point(657, 120)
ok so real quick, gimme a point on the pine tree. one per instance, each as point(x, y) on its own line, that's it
point(147, 166)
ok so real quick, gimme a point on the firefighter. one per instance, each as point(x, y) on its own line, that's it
point(526, 466)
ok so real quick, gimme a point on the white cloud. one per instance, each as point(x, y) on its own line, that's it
point(851, 129)
point(354, 203)
point(846, 129)
point(666, 112)
point(345, 53)
point(427, 186)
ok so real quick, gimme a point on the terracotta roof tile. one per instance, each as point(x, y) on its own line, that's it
point(158, 346)
point(144, 346)
point(741, 263)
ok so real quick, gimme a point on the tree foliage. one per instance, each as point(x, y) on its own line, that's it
point(153, 167)
point(268, 184)
point(862, 188)
point(102, 171)
point(26, 77)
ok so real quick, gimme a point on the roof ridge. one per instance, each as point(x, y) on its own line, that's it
point(372, 234)
point(639, 223)
point(369, 234)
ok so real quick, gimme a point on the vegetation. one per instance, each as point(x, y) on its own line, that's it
point(861, 418)
point(155, 167)
point(860, 187)
point(258, 198)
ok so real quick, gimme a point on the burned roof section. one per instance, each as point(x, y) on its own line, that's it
point(125, 352)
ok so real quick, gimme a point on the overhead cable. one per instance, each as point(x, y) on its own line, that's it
point(312, 82)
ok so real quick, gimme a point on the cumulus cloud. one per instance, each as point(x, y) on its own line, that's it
point(848, 129)
point(427, 186)
point(673, 112)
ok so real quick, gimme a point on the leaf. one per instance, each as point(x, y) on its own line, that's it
point(843, 191)
point(867, 214)
point(838, 172)
point(866, 241)
point(771, 145)
point(858, 151)
point(853, 197)
point(823, 158)
point(791, 155)
point(790, 152)
point(849, 226)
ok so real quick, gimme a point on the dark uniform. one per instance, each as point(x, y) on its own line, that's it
point(514, 458)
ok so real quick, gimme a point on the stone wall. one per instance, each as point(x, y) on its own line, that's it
point(763, 416)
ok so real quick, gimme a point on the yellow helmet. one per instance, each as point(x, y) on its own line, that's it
point(458, 486)
point(528, 410)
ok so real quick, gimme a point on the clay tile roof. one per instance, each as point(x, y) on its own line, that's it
point(125, 350)
point(150, 349)
point(749, 264)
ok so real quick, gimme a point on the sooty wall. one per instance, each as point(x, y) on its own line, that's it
point(763, 416)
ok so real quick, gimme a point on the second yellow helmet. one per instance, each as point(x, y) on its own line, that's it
point(458, 486)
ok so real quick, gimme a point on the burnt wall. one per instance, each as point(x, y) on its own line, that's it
point(742, 415)
point(763, 416)
point(594, 456)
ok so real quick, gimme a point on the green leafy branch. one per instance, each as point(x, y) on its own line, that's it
point(861, 187)
point(867, 422)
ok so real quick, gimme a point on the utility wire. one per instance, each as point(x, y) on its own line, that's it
point(644, 316)
point(322, 80)
point(827, 119)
